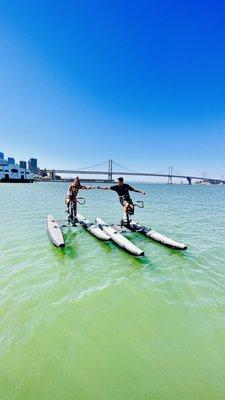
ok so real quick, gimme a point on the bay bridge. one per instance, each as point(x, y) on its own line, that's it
point(110, 172)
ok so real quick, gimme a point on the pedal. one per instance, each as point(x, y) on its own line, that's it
point(124, 223)
point(120, 229)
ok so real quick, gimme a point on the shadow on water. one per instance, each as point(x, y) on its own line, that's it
point(186, 255)
point(144, 262)
point(104, 245)
point(110, 247)
point(71, 251)
point(68, 251)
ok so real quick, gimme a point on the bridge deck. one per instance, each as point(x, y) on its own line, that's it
point(118, 173)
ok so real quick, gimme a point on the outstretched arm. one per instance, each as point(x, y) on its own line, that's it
point(88, 187)
point(138, 191)
point(103, 187)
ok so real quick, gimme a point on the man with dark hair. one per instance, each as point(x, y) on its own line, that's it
point(123, 189)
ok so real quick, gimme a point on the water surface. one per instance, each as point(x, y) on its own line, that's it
point(93, 323)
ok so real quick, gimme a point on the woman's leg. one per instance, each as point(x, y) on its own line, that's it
point(75, 208)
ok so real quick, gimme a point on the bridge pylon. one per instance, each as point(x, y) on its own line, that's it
point(110, 170)
point(170, 174)
point(204, 177)
point(189, 180)
point(52, 174)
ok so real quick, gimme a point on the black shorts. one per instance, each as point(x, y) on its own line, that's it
point(125, 199)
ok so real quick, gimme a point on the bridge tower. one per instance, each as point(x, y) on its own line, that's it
point(204, 177)
point(189, 180)
point(52, 174)
point(170, 179)
point(110, 170)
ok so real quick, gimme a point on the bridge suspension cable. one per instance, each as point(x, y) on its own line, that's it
point(163, 171)
point(122, 166)
point(177, 172)
point(92, 166)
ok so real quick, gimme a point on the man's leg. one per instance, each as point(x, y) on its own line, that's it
point(127, 210)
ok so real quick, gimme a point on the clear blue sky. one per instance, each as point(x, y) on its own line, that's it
point(142, 82)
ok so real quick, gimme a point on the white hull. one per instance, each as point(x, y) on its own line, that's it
point(119, 239)
point(157, 237)
point(93, 229)
point(54, 232)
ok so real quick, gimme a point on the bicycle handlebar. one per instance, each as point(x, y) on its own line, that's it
point(139, 204)
point(81, 200)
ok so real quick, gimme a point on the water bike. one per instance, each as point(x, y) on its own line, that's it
point(106, 232)
point(101, 230)
point(55, 228)
point(133, 226)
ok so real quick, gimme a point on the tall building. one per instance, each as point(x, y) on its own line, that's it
point(23, 164)
point(1, 156)
point(32, 165)
point(11, 161)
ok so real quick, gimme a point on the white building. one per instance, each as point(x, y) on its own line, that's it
point(13, 173)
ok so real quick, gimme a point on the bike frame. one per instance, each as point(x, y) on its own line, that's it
point(139, 204)
point(72, 219)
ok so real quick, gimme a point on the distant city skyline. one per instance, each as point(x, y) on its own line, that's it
point(32, 163)
point(140, 82)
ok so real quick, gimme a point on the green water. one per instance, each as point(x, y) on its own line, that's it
point(93, 323)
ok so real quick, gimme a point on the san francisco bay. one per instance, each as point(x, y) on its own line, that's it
point(91, 322)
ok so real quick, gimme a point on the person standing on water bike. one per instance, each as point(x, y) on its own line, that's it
point(72, 193)
point(123, 189)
